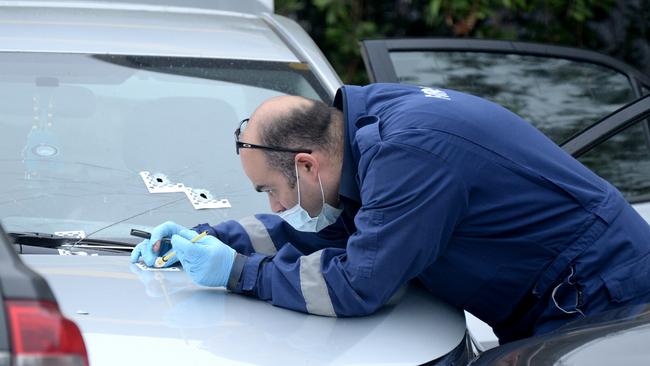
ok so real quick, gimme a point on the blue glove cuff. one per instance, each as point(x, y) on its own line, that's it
point(236, 272)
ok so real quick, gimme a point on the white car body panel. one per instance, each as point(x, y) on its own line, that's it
point(130, 316)
point(110, 29)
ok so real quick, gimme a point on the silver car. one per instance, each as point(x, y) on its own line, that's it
point(119, 116)
point(102, 103)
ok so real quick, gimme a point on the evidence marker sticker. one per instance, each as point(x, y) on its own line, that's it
point(75, 234)
point(159, 183)
point(199, 198)
point(202, 199)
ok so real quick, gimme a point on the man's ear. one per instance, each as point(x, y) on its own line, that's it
point(307, 165)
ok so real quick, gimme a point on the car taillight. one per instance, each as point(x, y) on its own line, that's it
point(41, 335)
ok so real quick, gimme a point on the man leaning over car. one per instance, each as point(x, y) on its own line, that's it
point(398, 182)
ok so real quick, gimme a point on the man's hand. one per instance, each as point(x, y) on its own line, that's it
point(150, 248)
point(208, 261)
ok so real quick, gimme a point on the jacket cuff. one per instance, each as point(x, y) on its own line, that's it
point(235, 272)
point(205, 227)
point(244, 271)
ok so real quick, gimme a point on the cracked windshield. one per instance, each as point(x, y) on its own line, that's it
point(78, 131)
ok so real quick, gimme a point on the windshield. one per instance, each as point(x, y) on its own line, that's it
point(77, 131)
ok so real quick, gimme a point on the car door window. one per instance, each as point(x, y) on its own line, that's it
point(624, 161)
point(559, 96)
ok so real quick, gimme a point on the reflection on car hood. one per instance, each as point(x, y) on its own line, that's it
point(130, 316)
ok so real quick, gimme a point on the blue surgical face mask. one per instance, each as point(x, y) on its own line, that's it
point(299, 218)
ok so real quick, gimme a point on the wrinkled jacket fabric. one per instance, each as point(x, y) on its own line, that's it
point(459, 193)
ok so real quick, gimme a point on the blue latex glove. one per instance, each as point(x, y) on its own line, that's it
point(149, 251)
point(208, 261)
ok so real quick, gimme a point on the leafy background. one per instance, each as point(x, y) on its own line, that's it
point(620, 28)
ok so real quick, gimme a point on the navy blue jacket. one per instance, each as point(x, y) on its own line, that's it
point(445, 187)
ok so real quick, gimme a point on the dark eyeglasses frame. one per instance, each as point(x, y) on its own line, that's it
point(246, 145)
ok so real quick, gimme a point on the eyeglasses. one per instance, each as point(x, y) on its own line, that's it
point(246, 145)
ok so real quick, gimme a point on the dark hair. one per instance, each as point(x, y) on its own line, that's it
point(316, 127)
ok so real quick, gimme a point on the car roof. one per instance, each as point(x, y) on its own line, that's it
point(216, 29)
point(241, 6)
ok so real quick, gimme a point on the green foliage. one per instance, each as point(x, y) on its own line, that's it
point(338, 25)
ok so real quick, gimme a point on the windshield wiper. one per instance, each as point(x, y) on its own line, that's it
point(45, 240)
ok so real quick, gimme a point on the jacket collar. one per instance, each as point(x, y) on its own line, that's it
point(351, 101)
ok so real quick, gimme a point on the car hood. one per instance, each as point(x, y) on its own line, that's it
point(131, 316)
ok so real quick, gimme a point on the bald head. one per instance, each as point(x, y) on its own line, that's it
point(295, 122)
point(273, 110)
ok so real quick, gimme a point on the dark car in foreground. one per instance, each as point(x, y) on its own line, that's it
point(33, 331)
point(616, 337)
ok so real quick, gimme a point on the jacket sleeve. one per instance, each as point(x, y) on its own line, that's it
point(411, 202)
point(266, 233)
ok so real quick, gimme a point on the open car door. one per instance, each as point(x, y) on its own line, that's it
point(617, 149)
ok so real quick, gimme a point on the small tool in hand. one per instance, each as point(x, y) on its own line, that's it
point(160, 261)
point(146, 235)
